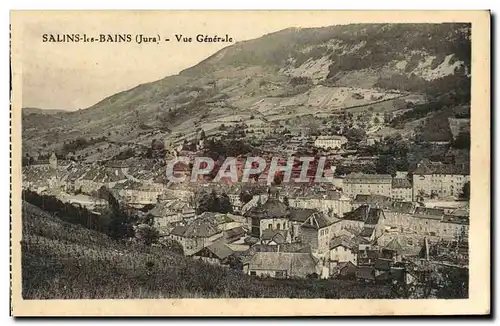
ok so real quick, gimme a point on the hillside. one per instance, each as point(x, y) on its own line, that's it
point(281, 76)
point(65, 261)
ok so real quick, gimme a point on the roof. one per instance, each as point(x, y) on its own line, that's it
point(401, 183)
point(344, 241)
point(374, 215)
point(394, 245)
point(293, 262)
point(198, 228)
point(235, 232)
point(427, 212)
point(383, 264)
point(220, 250)
point(179, 230)
point(321, 221)
point(331, 137)
point(285, 247)
point(359, 214)
point(455, 219)
point(372, 199)
point(366, 273)
point(301, 214)
point(364, 213)
point(402, 207)
point(426, 167)
point(279, 236)
point(272, 208)
point(367, 231)
point(368, 178)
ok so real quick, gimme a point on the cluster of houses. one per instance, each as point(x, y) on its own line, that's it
point(363, 226)
point(374, 241)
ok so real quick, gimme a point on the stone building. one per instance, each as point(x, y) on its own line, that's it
point(439, 180)
point(367, 184)
point(330, 142)
point(402, 189)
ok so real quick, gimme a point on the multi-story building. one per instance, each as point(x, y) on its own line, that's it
point(330, 142)
point(333, 204)
point(368, 184)
point(438, 180)
point(402, 189)
point(196, 235)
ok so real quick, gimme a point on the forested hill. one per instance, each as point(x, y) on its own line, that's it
point(282, 77)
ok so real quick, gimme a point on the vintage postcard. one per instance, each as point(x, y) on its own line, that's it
point(250, 163)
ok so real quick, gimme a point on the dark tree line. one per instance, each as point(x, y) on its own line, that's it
point(66, 211)
point(212, 202)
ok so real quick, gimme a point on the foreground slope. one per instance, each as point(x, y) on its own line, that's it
point(64, 261)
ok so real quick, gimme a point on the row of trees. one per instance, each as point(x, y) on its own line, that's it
point(116, 222)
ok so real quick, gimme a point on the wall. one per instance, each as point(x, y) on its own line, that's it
point(265, 224)
point(358, 188)
point(403, 194)
point(310, 236)
point(341, 254)
point(443, 185)
point(337, 207)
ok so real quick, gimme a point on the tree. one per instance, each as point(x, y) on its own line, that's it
point(355, 135)
point(245, 196)
point(224, 204)
point(386, 164)
point(466, 191)
point(119, 222)
point(207, 202)
point(146, 234)
point(462, 141)
point(211, 202)
point(173, 246)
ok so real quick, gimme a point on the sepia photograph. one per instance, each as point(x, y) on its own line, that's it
point(175, 155)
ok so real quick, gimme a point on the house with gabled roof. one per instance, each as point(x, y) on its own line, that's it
point(367, 219)
point(317, 230)
point(275, 237)
point(196, 234)
point(343, 249)
point(282, 265)
point(217, 253)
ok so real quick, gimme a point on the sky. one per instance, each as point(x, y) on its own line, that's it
point(70, 76)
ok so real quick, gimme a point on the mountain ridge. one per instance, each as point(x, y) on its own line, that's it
point(290, 73)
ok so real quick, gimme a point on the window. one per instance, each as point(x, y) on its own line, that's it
point(279, 274)
point(253, 273)
point(278, 226)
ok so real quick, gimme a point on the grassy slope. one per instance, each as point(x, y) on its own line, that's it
point(61, 260)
